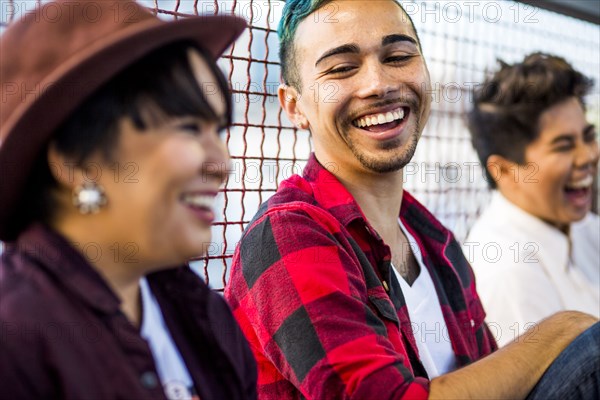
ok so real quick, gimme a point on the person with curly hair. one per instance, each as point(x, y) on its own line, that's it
point(528, 126)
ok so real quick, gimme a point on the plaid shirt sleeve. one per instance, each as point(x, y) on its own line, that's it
point(299, 293)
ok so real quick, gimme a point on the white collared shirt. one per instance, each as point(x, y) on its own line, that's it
point(527, 269)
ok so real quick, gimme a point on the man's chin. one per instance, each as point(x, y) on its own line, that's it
point(386, 163)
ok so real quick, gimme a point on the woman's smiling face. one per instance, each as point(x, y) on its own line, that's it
point(555, 183)
point(169, 175)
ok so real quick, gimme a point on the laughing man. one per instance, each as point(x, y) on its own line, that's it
point(334, 300)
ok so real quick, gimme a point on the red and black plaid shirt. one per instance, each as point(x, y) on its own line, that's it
point(312, 288)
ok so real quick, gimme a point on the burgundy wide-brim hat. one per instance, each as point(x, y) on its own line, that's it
point(55, 57)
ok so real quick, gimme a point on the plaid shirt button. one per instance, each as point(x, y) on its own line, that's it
point(385, 286)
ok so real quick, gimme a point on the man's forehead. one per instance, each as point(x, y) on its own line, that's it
point(355, 21)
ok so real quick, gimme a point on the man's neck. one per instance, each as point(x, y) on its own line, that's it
point(378, 195)
point(380, 199)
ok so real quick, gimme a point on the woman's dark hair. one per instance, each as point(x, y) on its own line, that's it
point(508, 105)
point(158, 86)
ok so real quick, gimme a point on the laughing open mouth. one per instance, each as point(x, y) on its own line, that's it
point(579, 188)
point(383, 121)
point(195, 200)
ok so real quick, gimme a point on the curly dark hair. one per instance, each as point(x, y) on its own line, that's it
point(508, 105)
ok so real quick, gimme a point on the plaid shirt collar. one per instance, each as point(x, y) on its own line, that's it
point(332, 195)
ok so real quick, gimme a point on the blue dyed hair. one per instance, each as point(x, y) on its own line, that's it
point(294, 12)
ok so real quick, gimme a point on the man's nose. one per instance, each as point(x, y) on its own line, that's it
point(376, 81)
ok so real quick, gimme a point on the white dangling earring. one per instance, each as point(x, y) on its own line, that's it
point(89, 198)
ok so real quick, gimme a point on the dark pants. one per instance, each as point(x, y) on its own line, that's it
point(575, 374)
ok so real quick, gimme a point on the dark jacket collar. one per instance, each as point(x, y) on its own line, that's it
point(68, 266)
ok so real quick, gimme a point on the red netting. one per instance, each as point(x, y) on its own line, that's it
point(461, 40)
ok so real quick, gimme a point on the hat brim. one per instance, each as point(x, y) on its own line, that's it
point(67, 87)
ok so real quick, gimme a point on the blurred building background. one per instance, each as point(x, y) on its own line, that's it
point(461, 41)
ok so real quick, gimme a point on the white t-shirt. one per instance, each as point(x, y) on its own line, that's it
point(527, 270)
point(427, 320)
point(174, 376)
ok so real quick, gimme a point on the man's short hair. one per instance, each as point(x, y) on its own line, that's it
point(507, 107)
point(294, 12)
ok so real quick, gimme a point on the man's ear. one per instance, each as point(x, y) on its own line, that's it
point(502, 170)
point(288, 99)
point(63, 169)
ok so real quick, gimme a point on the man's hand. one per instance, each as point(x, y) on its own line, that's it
point(513, 371)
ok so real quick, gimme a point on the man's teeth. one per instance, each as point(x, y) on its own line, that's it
point(581, 184)
point(379, 119)
point(199, 200)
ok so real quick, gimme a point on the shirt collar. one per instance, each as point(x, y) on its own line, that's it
point(331, 194)
point(549, 238)
point(60, 259)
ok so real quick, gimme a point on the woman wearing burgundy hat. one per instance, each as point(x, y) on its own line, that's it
point(111, 159)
